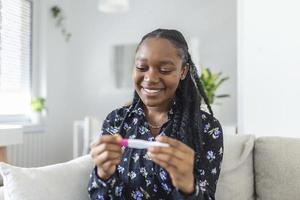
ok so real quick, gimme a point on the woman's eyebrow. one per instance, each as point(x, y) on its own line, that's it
point(162, 62)
point(141, 59)
point(166, 62)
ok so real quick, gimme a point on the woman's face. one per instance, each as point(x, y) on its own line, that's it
point(157, 72)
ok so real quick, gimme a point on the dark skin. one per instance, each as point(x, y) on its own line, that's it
point(157, 73)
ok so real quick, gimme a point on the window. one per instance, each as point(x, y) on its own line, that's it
point(15, 58)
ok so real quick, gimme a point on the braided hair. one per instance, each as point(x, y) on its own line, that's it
point(190, 92)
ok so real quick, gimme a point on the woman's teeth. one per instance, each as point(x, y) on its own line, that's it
point(151, 90)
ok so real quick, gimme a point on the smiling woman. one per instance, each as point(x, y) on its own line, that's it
point(165, 108)
point(158, 70)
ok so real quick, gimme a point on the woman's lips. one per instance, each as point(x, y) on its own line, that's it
point(152, 91)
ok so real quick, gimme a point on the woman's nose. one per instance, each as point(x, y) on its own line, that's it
point(151, 76)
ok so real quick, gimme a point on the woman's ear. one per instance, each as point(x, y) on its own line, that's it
point(184, 71)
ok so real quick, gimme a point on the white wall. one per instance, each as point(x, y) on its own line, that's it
point(79, 74)
point(53, 59)
point(268, 67)
point(213, 22)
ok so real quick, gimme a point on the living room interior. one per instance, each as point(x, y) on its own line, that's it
point(78, 78)
point(81, 56)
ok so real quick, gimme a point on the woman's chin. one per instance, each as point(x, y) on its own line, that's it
point(151, 103)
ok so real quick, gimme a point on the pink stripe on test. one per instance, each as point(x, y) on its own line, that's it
point(124, 143)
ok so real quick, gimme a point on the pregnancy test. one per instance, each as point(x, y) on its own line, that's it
point(141, 144)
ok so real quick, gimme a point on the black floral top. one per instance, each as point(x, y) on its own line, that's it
point(137, 177)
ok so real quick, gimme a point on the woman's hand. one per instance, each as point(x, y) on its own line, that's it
point(178, 160)
point(106, 153)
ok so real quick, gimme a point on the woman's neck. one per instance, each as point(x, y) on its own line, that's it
point(156, 116)
point(156, 110)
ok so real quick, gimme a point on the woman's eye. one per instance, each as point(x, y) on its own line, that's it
point(141, 68)
point(165, 71)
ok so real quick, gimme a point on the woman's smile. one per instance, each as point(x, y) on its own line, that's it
point(151, 92)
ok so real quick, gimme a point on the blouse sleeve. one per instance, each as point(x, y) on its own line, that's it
point(112, 188)
point(209, 162)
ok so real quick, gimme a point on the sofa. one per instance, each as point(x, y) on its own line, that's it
point(264, 168)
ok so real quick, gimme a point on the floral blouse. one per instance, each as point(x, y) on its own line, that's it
point(137, 177)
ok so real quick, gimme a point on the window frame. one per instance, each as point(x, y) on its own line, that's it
point(35, 69)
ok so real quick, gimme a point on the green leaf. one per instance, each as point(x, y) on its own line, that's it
point(211, 82)
point(222, 95)
point(222, 80)
point(55, 11)
point(38, 104)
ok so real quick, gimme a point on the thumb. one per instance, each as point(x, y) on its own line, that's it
point(118, 137)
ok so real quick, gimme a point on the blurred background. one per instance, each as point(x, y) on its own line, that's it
point(76, 56)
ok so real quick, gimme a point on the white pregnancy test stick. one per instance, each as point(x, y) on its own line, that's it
point(141, 144)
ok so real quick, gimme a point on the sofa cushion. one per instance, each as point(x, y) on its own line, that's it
point(70, 179)
point(61, 181)
point(277, 168)
point(236, 177)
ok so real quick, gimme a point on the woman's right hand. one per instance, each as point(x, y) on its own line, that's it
point(106, 153)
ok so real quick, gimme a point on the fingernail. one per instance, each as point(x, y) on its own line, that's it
point(118, 137)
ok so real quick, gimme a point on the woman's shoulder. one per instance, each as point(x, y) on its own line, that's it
point(211, 126)
point(119, 112)
point(114, 119)
point(209, 118)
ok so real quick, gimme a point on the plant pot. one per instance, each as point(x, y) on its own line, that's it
point(37, 117)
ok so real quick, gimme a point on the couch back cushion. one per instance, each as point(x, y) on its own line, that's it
point(277, 168)
point(60, 182)
point(236, 180)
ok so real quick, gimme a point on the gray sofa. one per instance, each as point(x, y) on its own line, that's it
point(265, 168)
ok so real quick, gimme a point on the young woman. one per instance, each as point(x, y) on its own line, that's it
point(165, 108)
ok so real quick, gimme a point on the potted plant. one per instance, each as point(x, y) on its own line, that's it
point(211, 83)
point(38, 106)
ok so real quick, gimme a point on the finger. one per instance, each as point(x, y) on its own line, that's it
point(109, 164)
point(167, 166)
point(107, 139)
point(105, 147)
point(174, 143)
point(171, 160)
point(167, 158)
point(106, 156)
point(170, 151)
point(174, 180)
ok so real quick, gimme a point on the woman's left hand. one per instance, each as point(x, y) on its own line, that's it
point(178, 160)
